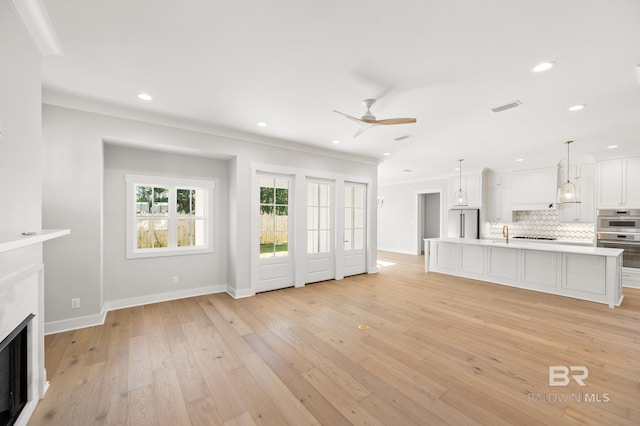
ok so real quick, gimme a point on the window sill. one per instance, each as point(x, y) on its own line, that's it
point(167, 252)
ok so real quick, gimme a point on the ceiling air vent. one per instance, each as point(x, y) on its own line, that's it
point(501, 108)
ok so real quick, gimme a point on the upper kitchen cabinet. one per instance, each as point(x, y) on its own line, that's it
point(497, 201)
point(583, 176)
point(534, 189)
point(618, 183)
point(472, 183)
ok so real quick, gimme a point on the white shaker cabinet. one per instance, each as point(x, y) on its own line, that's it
point(498, 203)
point(631, 181)
point(587, 273)
point(498, 206)
point(534, 189)
point(618, 183)
point(583, 176)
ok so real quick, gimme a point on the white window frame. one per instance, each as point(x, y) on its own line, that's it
point(173, 184)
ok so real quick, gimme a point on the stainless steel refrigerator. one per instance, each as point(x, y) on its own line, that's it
point(464, 223)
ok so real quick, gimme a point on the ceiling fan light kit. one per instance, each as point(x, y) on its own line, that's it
point(369, 120)
point(567, 193)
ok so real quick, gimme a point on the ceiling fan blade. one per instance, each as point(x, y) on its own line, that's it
point(349, 117)
point(365, 125)
point(360, 131)
point(396, 121)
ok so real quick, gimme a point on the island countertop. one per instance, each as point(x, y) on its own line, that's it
point(519, 244)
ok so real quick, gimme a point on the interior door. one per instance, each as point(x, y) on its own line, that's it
point(355, 214)
point(276, 233)
point(320, 235)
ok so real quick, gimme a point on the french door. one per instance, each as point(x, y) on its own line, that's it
point(355, 215)
point(320, 231)
point(276, 233)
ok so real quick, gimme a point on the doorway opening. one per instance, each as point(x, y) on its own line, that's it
point(429, 217)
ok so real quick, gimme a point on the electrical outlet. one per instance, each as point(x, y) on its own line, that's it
point(176, 279)
point(75, 303)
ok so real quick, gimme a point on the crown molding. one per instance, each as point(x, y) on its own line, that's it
point(35, 18)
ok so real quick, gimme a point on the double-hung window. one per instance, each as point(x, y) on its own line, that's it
point(168, 216)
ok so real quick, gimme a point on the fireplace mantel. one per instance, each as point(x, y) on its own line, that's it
point(10, 242)
point(21, 295)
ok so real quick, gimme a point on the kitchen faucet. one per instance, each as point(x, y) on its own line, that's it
point(505, 233)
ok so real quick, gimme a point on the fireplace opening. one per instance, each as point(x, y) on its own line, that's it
point(13, 373)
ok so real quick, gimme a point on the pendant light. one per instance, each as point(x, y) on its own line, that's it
point(460, 196)
point(567, 193)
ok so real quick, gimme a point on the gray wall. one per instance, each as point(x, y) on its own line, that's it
point(130, 278)
point(73, 198)
point(432, 216)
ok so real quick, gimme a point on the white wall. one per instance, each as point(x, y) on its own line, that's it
point(73, 194)
point(124, 279)
point(398, 229)
point(20, 117)
point(20, 191)
point(20, 142)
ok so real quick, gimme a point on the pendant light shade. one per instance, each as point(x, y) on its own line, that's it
point(460, 196)
point(567, 193)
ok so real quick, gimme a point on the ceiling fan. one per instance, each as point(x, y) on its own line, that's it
point(369, 120)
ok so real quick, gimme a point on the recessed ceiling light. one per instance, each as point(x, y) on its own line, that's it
point(386, 154)
point(577, 107)
point(543, 66)
point(262, 124)
point(519, 160)
point(612, 146)
point(144, 96)
point(336, 142)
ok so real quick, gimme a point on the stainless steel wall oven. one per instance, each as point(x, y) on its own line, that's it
point(620, 229)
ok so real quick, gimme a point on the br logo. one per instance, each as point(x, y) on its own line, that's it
point(560, 375)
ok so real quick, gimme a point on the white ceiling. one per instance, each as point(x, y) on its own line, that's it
point(290, 63)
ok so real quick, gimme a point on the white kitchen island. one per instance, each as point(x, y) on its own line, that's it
point(588, 273)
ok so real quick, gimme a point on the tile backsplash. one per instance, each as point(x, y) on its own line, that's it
point(543, 223)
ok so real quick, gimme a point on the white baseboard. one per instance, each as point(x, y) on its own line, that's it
point(112, 305)
point(52, 327)
point(239, 294)
point(631, 285)
point(130, 302)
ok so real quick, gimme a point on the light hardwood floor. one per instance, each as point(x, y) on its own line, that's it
point(437, 350)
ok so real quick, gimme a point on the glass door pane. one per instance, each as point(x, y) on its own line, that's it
point(274, 217)
point(318, 217)
point(354, 217)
